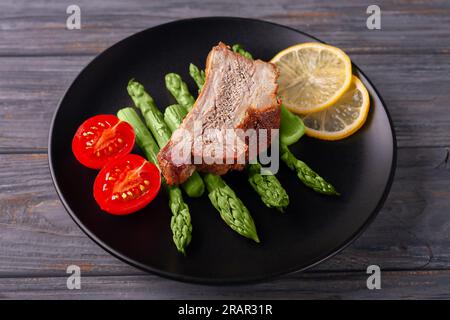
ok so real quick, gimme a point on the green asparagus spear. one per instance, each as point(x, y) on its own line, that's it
point(287, 136)
point(152, 116)
point(268, 187)
point(306, 174)
point(198, 75)
point(239, 49)
point(194, 186)
point(223, 198)
point(144, 138)
point(173, 114)
point(181, 219)
point(231, 208)
point(179, 90)
point(180, 223)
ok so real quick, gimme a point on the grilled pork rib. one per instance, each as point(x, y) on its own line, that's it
point(238, 93)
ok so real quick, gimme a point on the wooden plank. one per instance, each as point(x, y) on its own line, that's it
point(30, 90)
point(38, 28)
point(38, 238)
point(407, 61)
point(414, 88)
point(394, 285)
point(37, 235)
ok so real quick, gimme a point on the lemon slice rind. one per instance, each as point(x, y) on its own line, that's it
point(289, 70)
point(349, 129)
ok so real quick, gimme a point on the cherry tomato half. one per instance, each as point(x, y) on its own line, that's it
point(126, 185)
point(101, 139)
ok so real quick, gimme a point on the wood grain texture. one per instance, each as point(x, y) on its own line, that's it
point(30, 91)
point(414, 87)
point(37, 235)
point(38, 28)
point(407, 61)
point(38, 238)
point(328, 285)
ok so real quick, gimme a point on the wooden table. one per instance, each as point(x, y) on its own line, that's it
point(408, 60)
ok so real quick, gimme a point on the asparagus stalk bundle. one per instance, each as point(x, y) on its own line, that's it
point(306, 175)
point(194, 186)
point(180, 223)
point(231, 209)
point(269, 188)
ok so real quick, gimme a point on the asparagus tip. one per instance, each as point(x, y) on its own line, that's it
point(281, 209)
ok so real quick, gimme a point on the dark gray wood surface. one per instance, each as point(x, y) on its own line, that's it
point(408, 60)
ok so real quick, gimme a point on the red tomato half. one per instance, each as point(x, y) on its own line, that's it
point(101, 139)
point(126, 185)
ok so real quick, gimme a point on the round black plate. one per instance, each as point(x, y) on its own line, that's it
point(314, 227)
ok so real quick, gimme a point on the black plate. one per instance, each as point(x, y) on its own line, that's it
point(314, 227)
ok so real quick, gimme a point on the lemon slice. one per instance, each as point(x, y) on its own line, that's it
point(343, 118)
point(313, 76)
